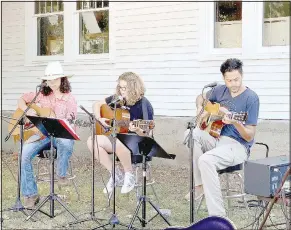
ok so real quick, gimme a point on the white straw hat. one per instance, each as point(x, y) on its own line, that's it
point(53, 71)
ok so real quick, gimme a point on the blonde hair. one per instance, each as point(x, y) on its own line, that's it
point(135, 87)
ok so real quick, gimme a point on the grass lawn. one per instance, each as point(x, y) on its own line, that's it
point(171, 185)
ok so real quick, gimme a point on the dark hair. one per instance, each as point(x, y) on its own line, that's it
point(231, 65)
point(65, 87)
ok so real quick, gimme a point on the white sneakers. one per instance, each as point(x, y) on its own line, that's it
point(128, 178)
point(129, 182)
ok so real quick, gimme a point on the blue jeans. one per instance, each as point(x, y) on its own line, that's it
point(30, 150)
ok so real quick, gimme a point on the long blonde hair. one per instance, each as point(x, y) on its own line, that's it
point(135, 87)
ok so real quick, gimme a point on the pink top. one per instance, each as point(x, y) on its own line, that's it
point(63, 108)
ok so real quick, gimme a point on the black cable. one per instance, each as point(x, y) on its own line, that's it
point(257, 218)
point(272, 222)
point(281, 195)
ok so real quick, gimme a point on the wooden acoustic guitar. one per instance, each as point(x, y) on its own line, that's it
point(122, 121)
point(29, 128)
point(213, 124)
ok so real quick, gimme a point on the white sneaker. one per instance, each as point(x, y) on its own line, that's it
point(118, 181)
point(129, 182)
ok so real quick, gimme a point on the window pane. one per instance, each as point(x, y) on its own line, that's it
point(94, 32)
point(37, 7)
point(105, 3)
point(276, 26)
point(42, 7)
point(228, 27)
point(99, 4)
point(50, 32)
point(81, 5)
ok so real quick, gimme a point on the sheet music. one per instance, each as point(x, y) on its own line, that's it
point(71, 129)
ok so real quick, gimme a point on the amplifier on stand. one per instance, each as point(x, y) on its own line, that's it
point(263, 177)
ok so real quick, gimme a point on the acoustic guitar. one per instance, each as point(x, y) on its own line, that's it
point(213, 124)
point(29, 128)
point(122, 121)
point(211, 222)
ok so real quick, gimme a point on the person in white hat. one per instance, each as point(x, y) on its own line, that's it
point(57, 96)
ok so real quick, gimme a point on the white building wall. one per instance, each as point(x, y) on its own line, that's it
point(160, 42)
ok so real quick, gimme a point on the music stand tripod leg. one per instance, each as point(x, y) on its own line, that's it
point(113, 219)
point(52, 196)
point(143, 199)
point(18, 205)
point(92, 213)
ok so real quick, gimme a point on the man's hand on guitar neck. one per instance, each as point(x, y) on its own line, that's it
point(227, 120)
point(227, 117)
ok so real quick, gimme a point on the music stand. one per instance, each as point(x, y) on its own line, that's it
point(21, 122)
point(146, 147)
point(52, 127)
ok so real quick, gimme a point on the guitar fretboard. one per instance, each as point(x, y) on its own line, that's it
point(143, 124)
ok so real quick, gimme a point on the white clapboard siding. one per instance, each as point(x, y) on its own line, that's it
point(157, 40)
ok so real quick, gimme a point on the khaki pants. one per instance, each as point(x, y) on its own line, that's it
point(210, 155)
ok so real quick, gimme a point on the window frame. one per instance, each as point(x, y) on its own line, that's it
point(206, 31)
point(76, 31)
point(266, 51)
point(71, 44)
point(252, 35)
point(31, 56)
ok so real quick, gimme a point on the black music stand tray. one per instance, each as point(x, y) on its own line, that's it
point(52, 127)
point(147, 147)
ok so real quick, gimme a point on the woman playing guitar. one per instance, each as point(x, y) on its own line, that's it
point(131, 88)
point(56, 98)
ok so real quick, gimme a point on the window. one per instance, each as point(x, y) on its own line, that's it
point(50, 28)
point(276, 24)
point(93, 27)
point(228, 25)
point(69, 31)
point(220, 29)
point(247, 30)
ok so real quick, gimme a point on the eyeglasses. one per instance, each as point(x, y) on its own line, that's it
point(121, 88)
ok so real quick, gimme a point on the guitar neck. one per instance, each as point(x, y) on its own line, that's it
point(143, 124)
point(232, 116)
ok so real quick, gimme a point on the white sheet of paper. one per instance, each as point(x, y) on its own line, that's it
point(91, 22)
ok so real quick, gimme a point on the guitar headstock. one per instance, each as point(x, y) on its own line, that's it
point(80, 123)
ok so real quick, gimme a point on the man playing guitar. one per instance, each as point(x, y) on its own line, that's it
point(56, 96)
point(131, 88)
point(233, 145)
